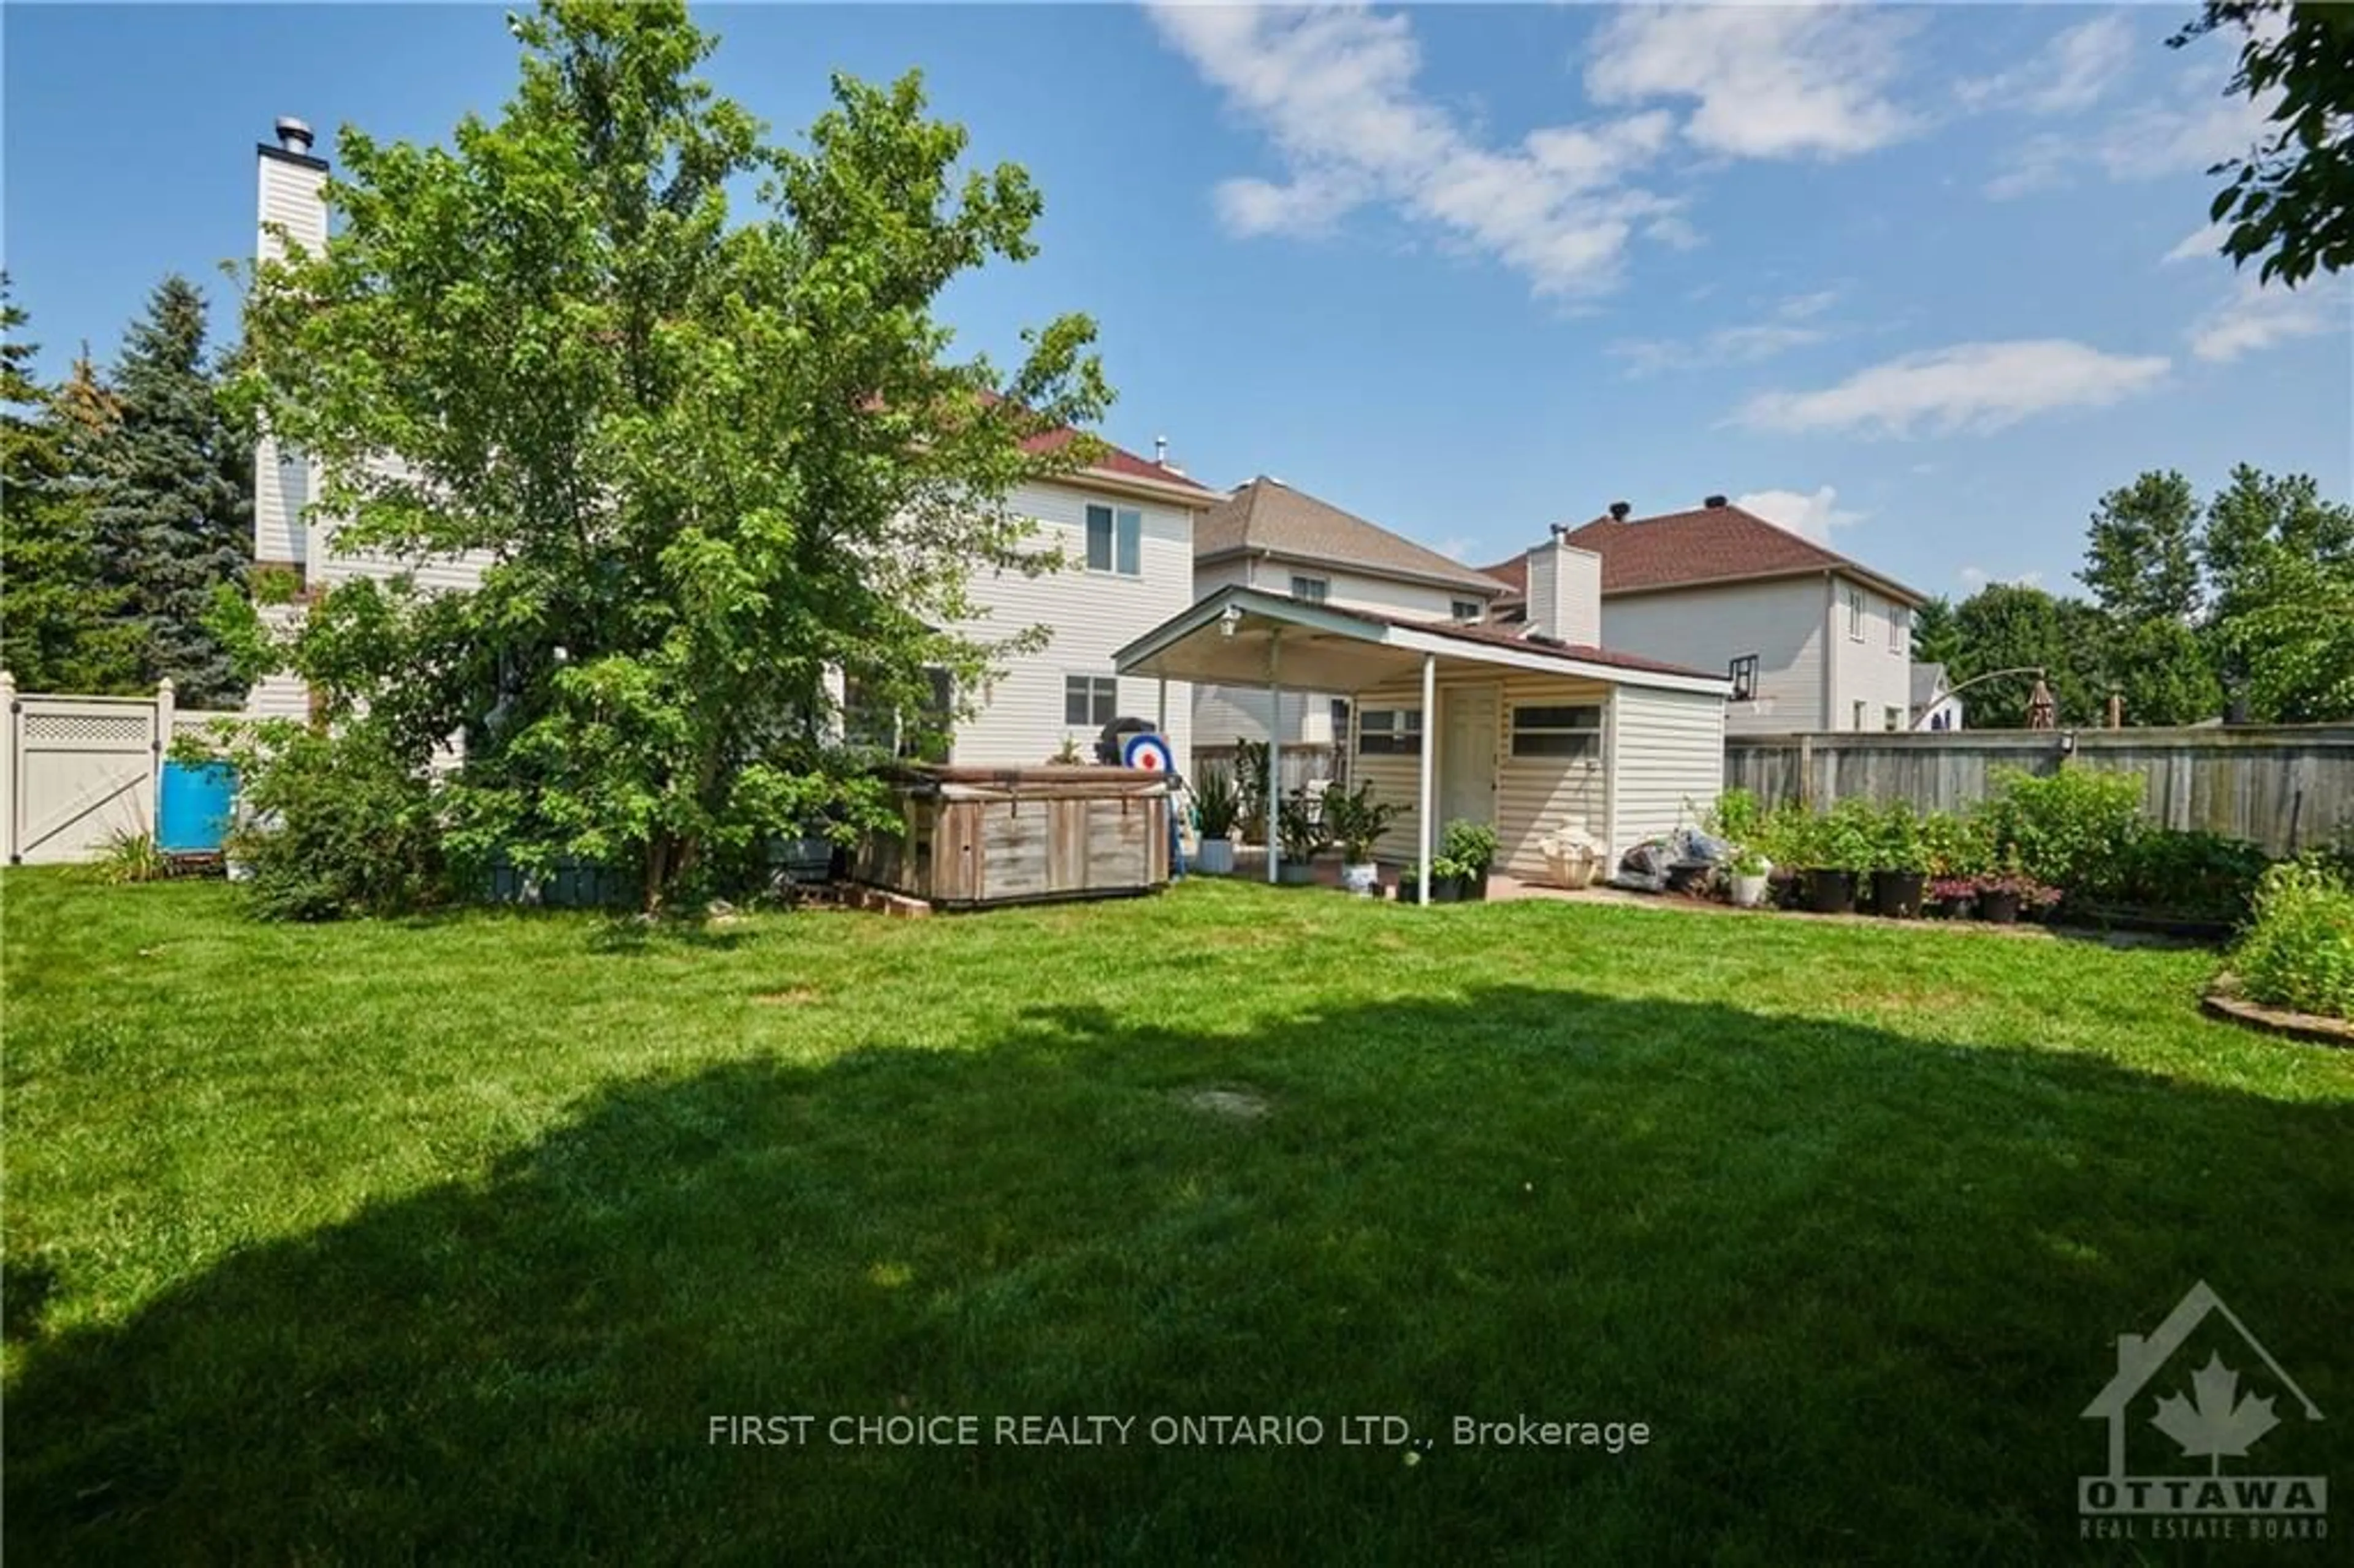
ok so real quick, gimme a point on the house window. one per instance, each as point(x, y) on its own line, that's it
point(1469, 611)
point(1891, 719)
point(1340, 721)
point(1090, 699)
point(1859, 716)
point(1744, 671)
point(1900, 620)
point(1116, 540)
point(1855, 619)
point(1389, 732)
point(1557, 731)
point(1310, 590)
point(868, 720)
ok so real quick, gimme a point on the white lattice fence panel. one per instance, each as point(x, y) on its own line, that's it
point(80, 771)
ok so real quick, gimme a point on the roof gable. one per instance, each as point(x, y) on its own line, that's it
point(1267, 516)
point(1708, 544)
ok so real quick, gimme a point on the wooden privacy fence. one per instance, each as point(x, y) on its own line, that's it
point(2285, 786)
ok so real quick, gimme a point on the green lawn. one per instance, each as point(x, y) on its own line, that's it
point(447, 1240)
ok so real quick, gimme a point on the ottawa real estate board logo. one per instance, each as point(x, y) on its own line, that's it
point(2210, 1391)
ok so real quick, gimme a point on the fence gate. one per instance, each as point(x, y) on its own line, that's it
point(79, 770)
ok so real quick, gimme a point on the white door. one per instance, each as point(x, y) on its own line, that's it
point(1466, 756)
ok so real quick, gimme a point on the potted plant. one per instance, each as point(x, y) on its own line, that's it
point(1250, 792)
point(1900, 864)
point(1357, 821)
point(1949, 897)
point(1836, 848)
point(1751, 872)
point(2002, 897)
point(1216, 807)
point(1470, 848)
point(1446, 883)
point(1299, 839)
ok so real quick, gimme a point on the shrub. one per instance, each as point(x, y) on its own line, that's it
point(1357, 821)
point(337, 826)
point(1787, 835)
point(2199, 875)
point(1848, 837)
point(1900, 843)
point(2298, 953)
point(2065, 828)
point(1956, 847)
point(1471, 845)
point(1736, 816)
point(131, 857)
point(1216, 803)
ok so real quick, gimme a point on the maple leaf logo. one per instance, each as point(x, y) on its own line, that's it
point(2215, 1420)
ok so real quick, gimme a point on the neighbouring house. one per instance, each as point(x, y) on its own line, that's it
point(1933, 705)
point(1808, 639)
point(1269, 536)
point(1531, 728)
point(1125, 525)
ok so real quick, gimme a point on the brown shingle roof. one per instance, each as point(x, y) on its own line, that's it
point(1268, 515)
point(1712, 544)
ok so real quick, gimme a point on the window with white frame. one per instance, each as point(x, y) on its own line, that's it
point(1891, 719)
point(1116, 540)
point(1389, 732)
point(1310, 590)
point(1858, 725)
point(1469, 611)
point(1557, 730)
point(1744, 671)
point(1090, 699)
point(1855, 616)
point(1900, 621)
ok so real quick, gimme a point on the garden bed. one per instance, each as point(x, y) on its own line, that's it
point(2222, 1000)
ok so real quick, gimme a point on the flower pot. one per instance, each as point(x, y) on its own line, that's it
point(1830, 892)
point(1749, 892)
point(1897, 894)
point(1472, 889)
point(1364, 880)
point(1216, 857)
point(2001, 908)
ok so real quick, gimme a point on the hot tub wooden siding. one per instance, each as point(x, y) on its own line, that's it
point(977, 836)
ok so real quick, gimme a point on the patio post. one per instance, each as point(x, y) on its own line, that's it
point(1422, 784)
point(1274, 749)
point(1163, 723)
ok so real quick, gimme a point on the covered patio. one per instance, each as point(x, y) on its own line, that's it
point(1527, 734)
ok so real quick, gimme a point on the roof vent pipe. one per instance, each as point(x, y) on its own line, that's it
point(293, 135)
point(1619, 510)
point(1713, 501)
point(1161, 451)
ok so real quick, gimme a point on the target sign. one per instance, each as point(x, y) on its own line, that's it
point(1149, 752)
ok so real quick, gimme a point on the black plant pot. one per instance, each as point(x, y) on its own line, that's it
point(2001, 908)
point(1897, 894)
point(1472, 889)
point(1830, 892)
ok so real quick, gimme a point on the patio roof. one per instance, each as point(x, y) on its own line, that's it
point(1226, 640)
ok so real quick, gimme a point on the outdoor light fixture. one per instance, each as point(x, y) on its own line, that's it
point(1230, 621)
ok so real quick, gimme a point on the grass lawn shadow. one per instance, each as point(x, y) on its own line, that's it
point(1859, 1285)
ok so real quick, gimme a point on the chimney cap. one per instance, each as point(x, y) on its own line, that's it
point(1621, 509)
point(1713, 501)
point(295, 135)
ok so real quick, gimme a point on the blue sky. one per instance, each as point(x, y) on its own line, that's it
point(1922, 282)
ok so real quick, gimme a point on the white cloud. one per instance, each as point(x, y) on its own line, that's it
point(1811, 517)
point(1977, 577)
point(2075, 70)
point(1455, 549)
point(2196, 126)
point(1334, 90)
point(2038, 163)
point(1770, 82)
point(1974, 386)
point(1744, 345)
point(2254, 317)
point(2206, 241)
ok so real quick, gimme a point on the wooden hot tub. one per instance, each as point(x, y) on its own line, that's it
point(977, 836)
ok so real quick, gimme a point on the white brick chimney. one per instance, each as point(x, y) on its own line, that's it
point(293, 206)
point(1564, 593)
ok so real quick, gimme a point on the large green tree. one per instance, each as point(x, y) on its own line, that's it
point(174, 498)
point(2141, 551)
point(2289, 205)
point(55, 631)
point(711, 463)
point(2280, 560)
point(2008, 626)
point(1935, 639)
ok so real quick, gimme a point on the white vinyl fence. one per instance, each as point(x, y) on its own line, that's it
point(77, 771)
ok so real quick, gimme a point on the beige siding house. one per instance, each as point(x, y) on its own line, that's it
point(1532, 729)
point(1269, 536)
point(1125, 524)
point(1809, 639)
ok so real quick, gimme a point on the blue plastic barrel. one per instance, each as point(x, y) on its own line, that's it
point(192, 814)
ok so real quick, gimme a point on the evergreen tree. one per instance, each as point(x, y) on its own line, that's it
point(55, 634)
point(2141, 559)
point(1935, 640)
point(175, 500)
